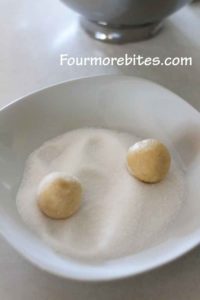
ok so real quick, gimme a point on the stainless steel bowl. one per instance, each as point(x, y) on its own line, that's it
point(119, 21)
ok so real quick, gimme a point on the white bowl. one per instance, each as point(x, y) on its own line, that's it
point(120, 102)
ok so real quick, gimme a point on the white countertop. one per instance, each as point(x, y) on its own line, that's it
point(33, 35)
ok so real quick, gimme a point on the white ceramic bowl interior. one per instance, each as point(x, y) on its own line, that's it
point(116, 102)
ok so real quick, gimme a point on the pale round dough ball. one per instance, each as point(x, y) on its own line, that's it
point(148, 160)
point(59, 195)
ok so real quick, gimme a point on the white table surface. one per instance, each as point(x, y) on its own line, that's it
point(33, 34)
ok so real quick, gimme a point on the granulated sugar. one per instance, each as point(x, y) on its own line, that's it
point(119, 215)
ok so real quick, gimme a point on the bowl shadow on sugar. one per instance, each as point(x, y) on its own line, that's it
point(188, 147)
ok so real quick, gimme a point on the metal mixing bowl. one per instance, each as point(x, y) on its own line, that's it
point(119, 21)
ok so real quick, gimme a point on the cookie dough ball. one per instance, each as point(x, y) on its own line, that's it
point(148, 160)
point(59, 195)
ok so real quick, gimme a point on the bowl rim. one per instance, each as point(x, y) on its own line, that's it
point(93, 275)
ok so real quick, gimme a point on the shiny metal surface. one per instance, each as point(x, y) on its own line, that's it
point(120, 21)
point(122, 34)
